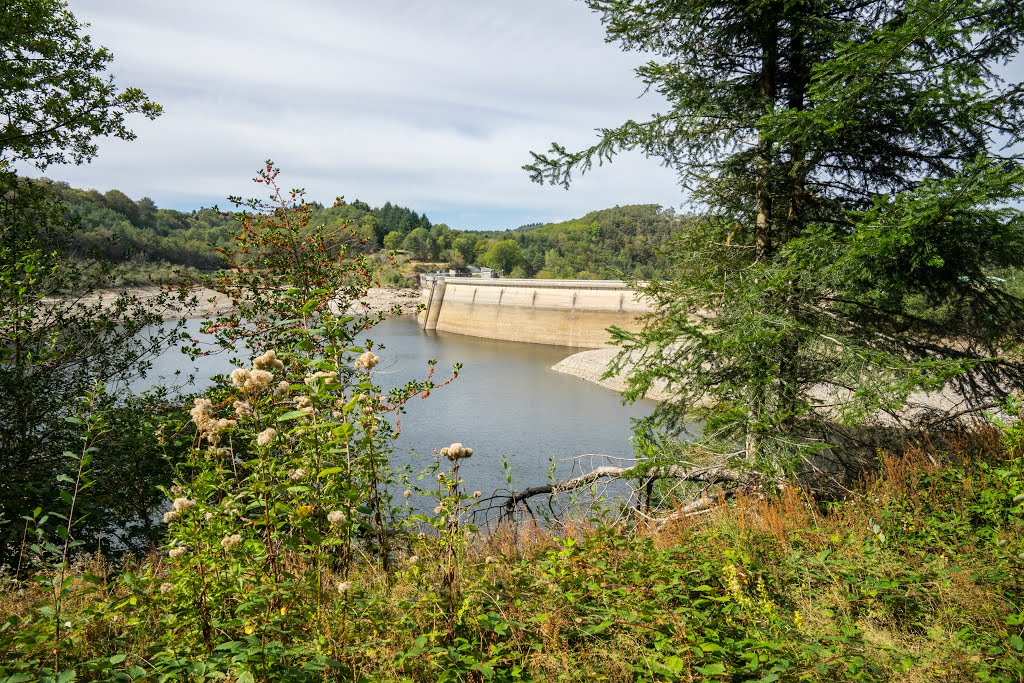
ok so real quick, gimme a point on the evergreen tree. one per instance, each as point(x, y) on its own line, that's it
point(849, 164)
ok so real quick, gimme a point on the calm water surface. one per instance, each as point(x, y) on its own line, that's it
point(506, 402)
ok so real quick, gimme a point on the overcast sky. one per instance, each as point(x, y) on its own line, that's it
point(431, 104)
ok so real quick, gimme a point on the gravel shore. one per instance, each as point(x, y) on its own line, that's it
point(921, 406)
point(591, 365)
point(211, 303)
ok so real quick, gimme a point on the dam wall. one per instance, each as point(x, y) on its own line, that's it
point(574, 313)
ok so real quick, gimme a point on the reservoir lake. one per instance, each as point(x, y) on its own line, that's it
point(506, 402)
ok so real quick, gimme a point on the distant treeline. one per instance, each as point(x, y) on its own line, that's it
point(620, 242)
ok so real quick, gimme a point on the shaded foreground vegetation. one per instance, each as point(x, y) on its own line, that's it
point(917, 577)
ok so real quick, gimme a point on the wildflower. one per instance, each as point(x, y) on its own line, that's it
point(477, 494)
point(177, 552)
point(170, 516)
point(268, 361)
point(182, 504)
point(266, 436)
point(251, 381)
point(336, 517)
point(304, 403)
point(242, 408)
point(439, 509)
point(456, 452)
point(166, 587)
point(344, 587)
point(202, 414)
point(415, 559)
point(489, 560)
point(297, 474)
point(282, 389)
point(240, 378)
point(224, 423)
point(208, 516)
point(326, 377)
point(259, 380)
point(304, 510)
point(231, 542)
point(368, 361)
point(407, 493)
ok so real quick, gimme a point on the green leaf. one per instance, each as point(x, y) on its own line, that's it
point(292, 415)
point(329, 471)
point(18, 678)
point(715, 669)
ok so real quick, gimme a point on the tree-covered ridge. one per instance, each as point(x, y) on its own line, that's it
point(624, 241)
point(152, 242)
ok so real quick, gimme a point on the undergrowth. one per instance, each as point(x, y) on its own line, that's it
point(916, 578)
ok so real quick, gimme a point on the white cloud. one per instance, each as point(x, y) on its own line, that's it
point(434, 105)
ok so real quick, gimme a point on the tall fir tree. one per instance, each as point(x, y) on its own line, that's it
point(853, 169)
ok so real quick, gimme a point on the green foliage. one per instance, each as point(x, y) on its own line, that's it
point(764, 590)
point(55, 345)
point(55, 99)
point(852, 209)
point(503, 256)
point(624, 242)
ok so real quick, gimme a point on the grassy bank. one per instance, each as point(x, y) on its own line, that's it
point(917, 577)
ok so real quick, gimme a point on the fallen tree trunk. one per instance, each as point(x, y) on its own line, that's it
point(506, 503)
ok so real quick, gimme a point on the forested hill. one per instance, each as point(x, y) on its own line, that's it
point(624, 241)
point(152, 243)
point(113, 227)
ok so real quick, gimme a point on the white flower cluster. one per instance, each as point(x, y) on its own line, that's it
point(266, 436)
point(297, 475)
point(206, 423)
point(336, 517)
point(177, 552)
point(177, 507)
point(368, 361)
point(242, 409)
point(268, 361)
point(281, 390)
point(344, 587)
point(325, 377)
point(456, 452)
point(231, 542)
point(251, 381)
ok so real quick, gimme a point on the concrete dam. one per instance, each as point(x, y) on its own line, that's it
point(574, 313)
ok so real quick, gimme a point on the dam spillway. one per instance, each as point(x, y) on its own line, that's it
point(573, 313)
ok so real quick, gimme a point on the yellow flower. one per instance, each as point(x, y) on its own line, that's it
point(304, 510)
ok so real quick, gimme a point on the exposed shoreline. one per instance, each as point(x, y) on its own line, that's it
point(928, 406)
point(592, 364)
point(212, 303)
